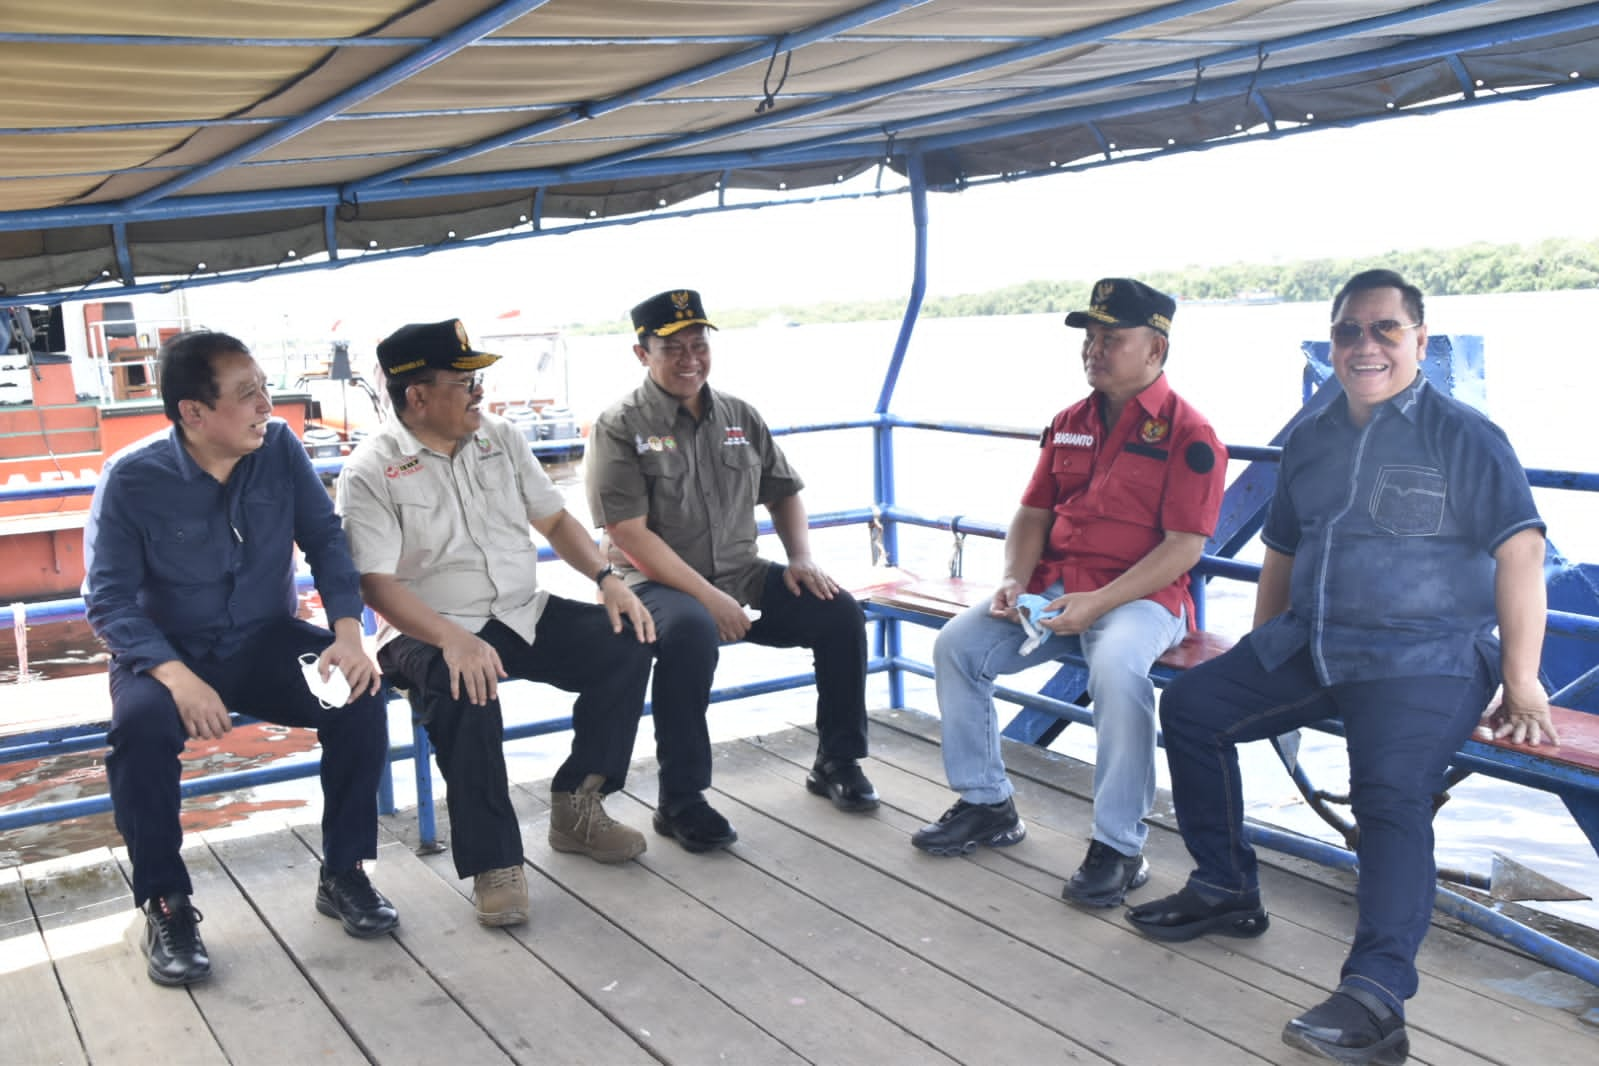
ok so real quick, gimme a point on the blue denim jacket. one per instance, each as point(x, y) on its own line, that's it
point(1392, 528)
point(182, 566)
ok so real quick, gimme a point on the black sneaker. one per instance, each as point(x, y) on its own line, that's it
point(172, 941)
point(696, 826)
point(1352, 1025)
point(350, 897)
point(965, 826)
point(843, 782)
point(1105, 877)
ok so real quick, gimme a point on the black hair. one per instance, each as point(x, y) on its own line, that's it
point(396, 386)
point(1382, 279)
point(185, 368)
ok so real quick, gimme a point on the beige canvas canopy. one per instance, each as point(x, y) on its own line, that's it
point(197, 138)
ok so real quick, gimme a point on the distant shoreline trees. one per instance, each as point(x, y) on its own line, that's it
point(1472, 270)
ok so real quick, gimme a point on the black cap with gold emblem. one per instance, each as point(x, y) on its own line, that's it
point(1124, 303)
point(430, 346)
point(667, 312)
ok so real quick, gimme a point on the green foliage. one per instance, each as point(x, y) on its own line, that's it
point(1475, 269)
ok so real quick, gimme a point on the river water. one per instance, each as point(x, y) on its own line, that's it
point(1240, 364)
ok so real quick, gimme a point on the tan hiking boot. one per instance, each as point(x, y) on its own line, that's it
point(501, 896)
point(578, 823)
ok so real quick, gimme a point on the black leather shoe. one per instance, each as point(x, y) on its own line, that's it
point(696, 826)
point(1186, 915)
point(842, 781)
point(1105, 877)
point(1352, 1025)
point(350, 897)
point(172, 941)
point(966, 826)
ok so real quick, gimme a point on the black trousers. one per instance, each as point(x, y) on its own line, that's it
point(686, 652)
point(262, 681)
point(573, 649)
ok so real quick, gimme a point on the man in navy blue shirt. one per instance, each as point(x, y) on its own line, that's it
point(1401, 533)
point(190, 559)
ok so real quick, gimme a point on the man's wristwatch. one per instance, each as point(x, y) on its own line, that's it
point(607, 571)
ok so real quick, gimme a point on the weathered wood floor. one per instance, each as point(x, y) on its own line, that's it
point(820, 937)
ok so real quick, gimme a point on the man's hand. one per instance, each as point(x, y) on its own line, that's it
point(1078, 611)
point(731, 621)
point(475, 664)
point(1520, 713)
point(1003, 605)
point(620, 600)
point(348, 655)
point(201, 710)
point(805, 574)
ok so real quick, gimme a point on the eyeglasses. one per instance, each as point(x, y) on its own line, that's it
point(1387, 332)
point(471, 384)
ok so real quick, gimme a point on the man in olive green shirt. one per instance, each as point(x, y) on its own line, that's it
point(675, 471)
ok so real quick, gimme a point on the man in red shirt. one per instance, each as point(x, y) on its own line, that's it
point(1125, 493)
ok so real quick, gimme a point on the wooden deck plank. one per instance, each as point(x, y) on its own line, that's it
point(955, 915)
point(92, 931)
point(38, 1026)
point(738, 968)
point(533, 1013)
point(1464, 1003)
point(392, 1006)
point(253, 977)
point(769, 900)
point(941, 1008)
point(668, 1012)
point(819, 937)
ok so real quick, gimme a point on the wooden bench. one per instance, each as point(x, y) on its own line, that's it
point(1570, 770)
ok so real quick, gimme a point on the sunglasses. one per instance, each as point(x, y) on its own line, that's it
point(471, 384)
point(1387, 332)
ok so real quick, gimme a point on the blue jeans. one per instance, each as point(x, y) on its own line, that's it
point(975, 648)
point(1401, 732)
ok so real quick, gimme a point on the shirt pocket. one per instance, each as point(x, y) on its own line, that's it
point(741, 476)
point(185, 552)
point(504, 510)
point(1133, 490)
point(1070, 468)
point(666, 475)
point(1408, 501)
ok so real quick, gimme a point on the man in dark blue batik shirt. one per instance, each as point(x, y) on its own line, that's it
point(190, 558)
point(1401, 533)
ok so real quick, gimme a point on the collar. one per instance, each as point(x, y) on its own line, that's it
point(187, 467)
point(1154, 396)
point(408, 442)
point(1406, 403)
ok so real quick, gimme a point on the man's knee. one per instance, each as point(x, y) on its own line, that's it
point(689, 631)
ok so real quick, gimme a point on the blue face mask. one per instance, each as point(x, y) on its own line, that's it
point(1033, 609)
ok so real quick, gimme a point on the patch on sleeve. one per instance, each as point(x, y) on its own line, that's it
point(1201, 457)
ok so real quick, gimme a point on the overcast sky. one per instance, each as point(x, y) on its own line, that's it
point(1506, 172)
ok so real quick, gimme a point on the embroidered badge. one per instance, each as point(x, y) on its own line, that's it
point(735, 437)
point(411, 465)
point(1074, 440)
point(1154, 430)
point(640, 445)
point(655, 444)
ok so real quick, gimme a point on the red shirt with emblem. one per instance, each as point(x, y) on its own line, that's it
point(1115, 494)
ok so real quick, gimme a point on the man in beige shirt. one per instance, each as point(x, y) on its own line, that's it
point(436, 507)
